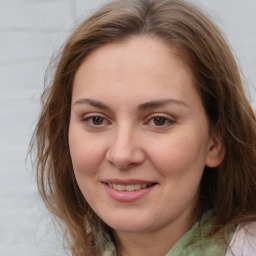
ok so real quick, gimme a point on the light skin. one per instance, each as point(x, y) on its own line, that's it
point(136, 118)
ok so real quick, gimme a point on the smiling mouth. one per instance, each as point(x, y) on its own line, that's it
point(129, 187)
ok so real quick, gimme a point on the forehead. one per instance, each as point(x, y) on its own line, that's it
point(137, 64)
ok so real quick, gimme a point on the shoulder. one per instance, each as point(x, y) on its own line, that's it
point(243, 242)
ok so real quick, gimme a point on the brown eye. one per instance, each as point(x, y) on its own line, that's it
point(159, 121)
point(97, 120)
point(94, 121)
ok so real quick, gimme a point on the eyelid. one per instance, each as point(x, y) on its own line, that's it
point(86, 117)
point(171, 120)
point(93, 114)
point(163, 115)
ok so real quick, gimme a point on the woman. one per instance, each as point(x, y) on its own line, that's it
point(146, 141)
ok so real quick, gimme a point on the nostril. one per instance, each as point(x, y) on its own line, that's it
point(124, 157)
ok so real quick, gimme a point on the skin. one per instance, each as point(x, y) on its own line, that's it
point(116, 132)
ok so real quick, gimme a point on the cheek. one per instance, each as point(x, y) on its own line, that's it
point(179, 156)
point(86, 154)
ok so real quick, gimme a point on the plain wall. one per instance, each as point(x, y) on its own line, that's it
point(30, 31)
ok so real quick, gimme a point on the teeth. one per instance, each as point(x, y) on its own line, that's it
point(130, 187)
point(137, 186)
point(120, 187)
point(144, 185)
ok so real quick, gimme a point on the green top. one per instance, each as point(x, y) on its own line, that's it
point(192, 243)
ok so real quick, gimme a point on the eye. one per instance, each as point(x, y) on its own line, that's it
point(95, 121)
point(161, 121)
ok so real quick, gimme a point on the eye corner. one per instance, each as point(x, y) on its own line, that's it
point(160, 121)
point(95, 121)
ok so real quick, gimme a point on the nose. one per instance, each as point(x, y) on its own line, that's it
point(125, 150)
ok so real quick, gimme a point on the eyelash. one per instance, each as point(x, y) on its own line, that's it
point(89, 120)
point(166, 121)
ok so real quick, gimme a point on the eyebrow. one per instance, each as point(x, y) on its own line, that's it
point(160, 103)
point(94, 103)
point(141, 107)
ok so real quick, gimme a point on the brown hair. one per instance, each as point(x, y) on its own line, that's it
point(229, 189)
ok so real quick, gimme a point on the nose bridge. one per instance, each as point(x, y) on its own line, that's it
point(124, 136)
point(124, 149)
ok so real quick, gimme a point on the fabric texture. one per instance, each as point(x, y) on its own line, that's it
point(243, 242)
point(194, 242)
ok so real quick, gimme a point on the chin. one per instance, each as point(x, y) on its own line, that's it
point(127, 229)
point(128, 225)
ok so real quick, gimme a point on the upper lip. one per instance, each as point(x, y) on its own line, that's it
point(128, 181)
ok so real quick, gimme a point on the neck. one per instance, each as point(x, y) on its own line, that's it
point(153, 242)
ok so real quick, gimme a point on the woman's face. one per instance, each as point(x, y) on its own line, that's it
point(139, 137)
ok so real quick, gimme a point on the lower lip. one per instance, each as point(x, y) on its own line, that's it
point(127, 196)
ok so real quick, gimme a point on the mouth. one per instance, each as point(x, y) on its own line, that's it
point(128, 191)
point(129, 187)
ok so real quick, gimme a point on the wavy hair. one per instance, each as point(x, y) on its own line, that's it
point(230, 189)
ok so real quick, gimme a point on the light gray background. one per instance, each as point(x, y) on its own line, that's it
point(30, 31)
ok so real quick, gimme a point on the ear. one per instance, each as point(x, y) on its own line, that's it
point(216, 150)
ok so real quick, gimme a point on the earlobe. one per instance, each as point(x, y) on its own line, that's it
point(216, 150)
